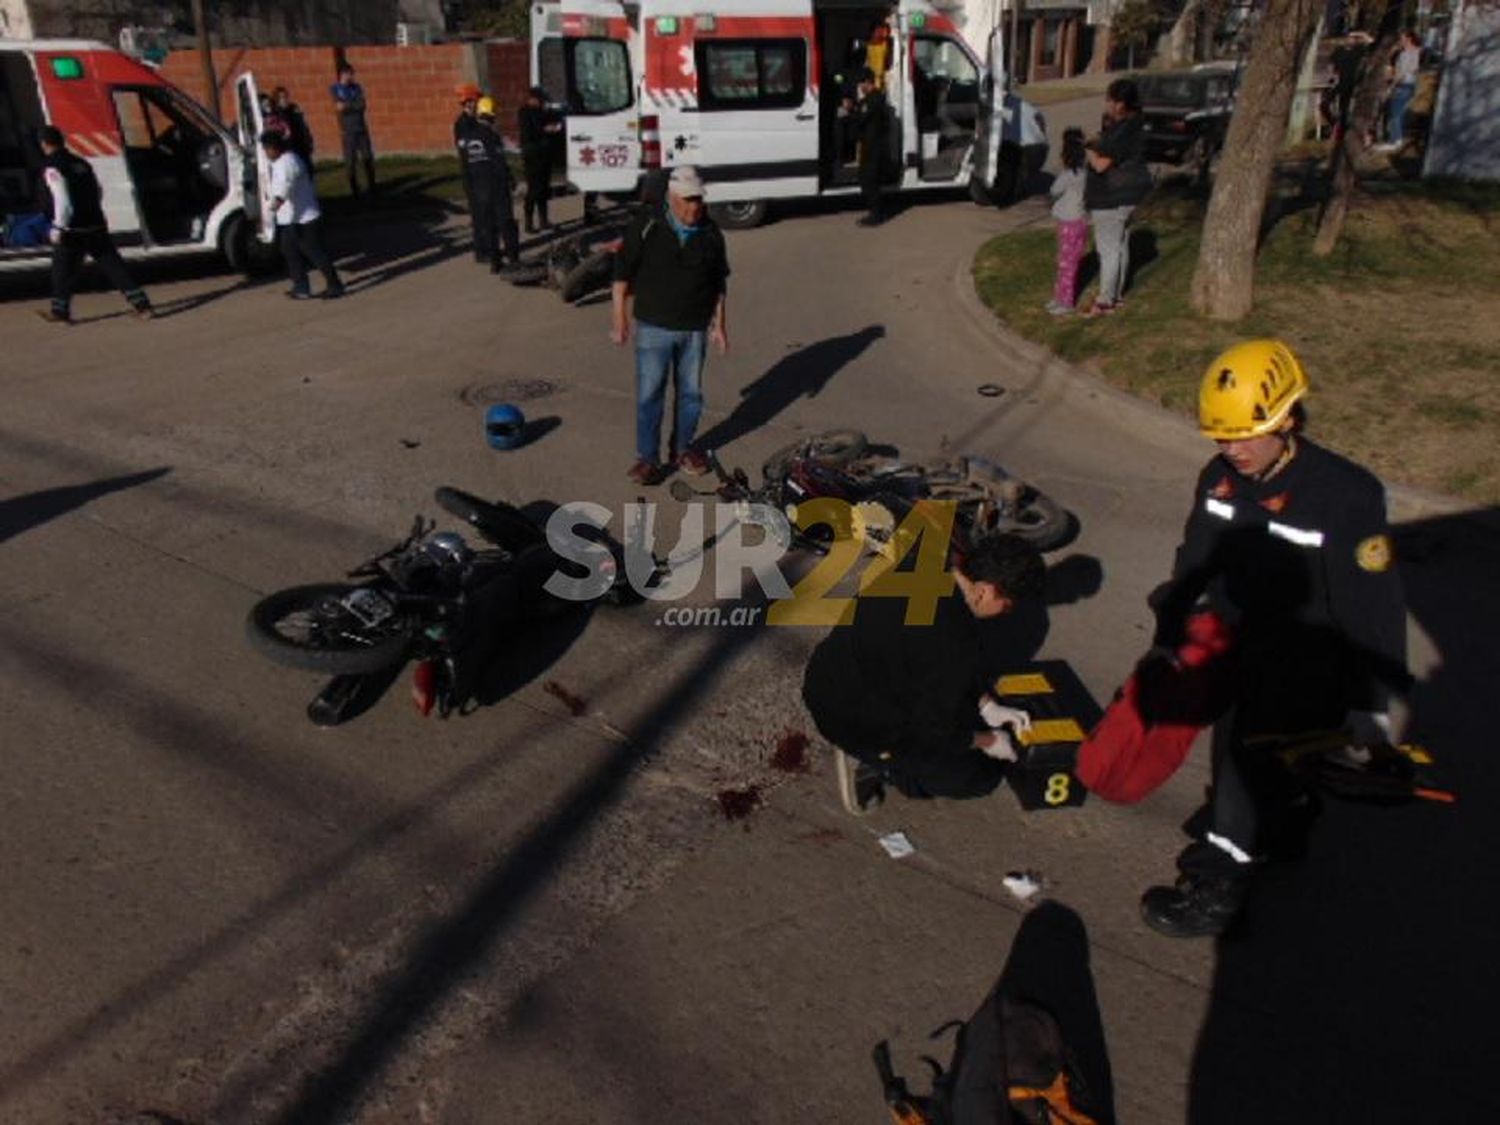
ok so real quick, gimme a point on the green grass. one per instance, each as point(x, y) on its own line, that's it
point(406, 182)
point(1397, 328)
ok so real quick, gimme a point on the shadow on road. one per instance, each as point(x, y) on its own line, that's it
point(1361, 985)
point(22, 513)
point(802, 374)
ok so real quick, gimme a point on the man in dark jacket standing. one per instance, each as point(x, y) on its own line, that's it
point(349, 107)
point(872, 123)
point(904, 701)
point(1118, 179)
point(672, 272)
point(538, 125)
point(79, 230)
point(1288, 543)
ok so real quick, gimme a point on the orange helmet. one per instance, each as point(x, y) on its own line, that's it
point(469, 92)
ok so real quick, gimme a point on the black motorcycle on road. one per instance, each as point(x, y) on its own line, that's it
point(432, 598)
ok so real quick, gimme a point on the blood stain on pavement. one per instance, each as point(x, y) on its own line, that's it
point(575, 704)
point(737, 804)
point(790, 755)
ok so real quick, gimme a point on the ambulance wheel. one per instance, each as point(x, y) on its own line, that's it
point(243, 251)
point(743, 215)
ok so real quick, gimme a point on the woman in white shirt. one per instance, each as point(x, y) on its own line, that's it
point(1404, 70)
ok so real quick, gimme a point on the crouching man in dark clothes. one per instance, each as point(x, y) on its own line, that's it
point(903, 701)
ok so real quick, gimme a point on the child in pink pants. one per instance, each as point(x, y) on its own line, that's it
point(1072, 223)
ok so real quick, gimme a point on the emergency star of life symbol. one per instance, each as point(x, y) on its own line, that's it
point(586, 155)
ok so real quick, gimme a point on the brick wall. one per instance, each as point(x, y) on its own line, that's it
point(409, 90)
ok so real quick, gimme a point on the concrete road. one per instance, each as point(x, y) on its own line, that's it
point(537, 911)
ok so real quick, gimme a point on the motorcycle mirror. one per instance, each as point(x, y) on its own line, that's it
point(681, 491)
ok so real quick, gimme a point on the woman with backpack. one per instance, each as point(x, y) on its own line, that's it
point(1118, 179)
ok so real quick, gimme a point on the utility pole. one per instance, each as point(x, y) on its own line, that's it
point(206, 57)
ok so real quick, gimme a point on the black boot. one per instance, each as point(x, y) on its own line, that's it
point(1198, 906)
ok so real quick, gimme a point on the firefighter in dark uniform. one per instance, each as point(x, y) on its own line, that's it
point(464, 126)
point(908, 704)
point(872, 122)
point(488, 184)
point(538, 125)
point(1289, 544)
point(79, 230)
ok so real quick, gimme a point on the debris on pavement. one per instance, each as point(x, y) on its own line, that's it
point(897, 846)
point(1025, 885)
point(408, 443)
point(991, 390)
point(737, 804)
point(790, 755)
point(576, 705)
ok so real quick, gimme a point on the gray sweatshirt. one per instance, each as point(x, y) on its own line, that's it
point(1067, 196)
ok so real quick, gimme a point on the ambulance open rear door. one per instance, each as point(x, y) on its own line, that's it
point(603, 133)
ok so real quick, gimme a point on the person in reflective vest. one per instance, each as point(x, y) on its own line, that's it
point(1288, 544)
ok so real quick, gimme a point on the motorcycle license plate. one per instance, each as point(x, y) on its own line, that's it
point(370, 607)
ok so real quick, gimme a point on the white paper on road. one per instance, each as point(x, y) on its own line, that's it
point(1024, 885)
point(897, 846)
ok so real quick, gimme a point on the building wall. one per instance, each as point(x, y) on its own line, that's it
point(252, 23)
point(15, 20)
point(409, 89)
point(1465, 138)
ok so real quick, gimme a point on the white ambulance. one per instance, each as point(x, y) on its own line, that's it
point(174, 179)
point(750, 92)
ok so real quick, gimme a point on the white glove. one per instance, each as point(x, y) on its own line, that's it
point(1368, 727)
point(55, 235)
point(997, 744)
point(996, 715)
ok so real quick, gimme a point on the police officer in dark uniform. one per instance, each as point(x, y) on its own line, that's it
point(488, 184)
point(1289, 544)
point(906, 703)
point(872, 122)
point(538, 125)
point(79, 229)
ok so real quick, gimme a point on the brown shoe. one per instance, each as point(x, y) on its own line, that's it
point(693, 463)
point(52, 316)
point(646, 473)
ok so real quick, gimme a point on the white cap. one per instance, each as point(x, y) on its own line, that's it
point(685, 182)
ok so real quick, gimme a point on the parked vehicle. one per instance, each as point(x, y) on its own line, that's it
point(431, 598)
point(751, 96)
point(881, 491)
point(174, 179)
point(1187, 114)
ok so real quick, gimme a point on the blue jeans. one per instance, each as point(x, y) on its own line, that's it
point(1396, 123)
point(661, 353)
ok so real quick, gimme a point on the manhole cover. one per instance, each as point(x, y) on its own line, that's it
point(508, 390)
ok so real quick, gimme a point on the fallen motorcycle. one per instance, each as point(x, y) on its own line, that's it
point(881, 491)
point(432, 599)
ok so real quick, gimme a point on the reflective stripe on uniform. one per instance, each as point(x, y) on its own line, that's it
point(1297, 535)
point(1228, 847)
point(1218, 508)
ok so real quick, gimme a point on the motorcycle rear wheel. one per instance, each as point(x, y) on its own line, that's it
point(308, 627)
point(834, 448)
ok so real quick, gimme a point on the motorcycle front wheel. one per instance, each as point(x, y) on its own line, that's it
point(314, 629)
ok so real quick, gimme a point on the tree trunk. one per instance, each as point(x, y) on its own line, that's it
point(206, 57)
point(1349, 136)
point(1179, 45)
point(1224, 280)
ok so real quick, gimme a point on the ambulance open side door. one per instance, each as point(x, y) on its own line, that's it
point(1011, 138)
point(257, 168)
point(600, 75)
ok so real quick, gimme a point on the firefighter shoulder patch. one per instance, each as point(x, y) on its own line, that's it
point(1374, 554)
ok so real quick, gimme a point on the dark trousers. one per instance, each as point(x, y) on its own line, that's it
point(1256, 804)
point(869, 186)
point(302, 243)
point(538, 189)
point(68, 257)
point(494, 223)
point(356, 150)
point(957, 773)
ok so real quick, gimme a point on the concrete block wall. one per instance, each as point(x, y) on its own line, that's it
point(409, 90)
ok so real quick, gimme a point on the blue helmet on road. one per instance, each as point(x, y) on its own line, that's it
point(504, 425)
